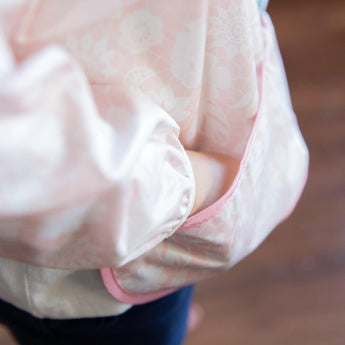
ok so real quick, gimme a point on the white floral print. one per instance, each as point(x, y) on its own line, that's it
point(140, 30)
point(84, 254)
point(202, 63)
point(137, 75)
point(95, 55)
point(228, 29)
point(175, 106)
point(188, 55)
point(218, 77)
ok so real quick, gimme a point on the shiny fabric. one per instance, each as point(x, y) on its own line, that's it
point(97, 109)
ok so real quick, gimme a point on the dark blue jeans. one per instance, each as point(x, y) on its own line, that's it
point(162, 322)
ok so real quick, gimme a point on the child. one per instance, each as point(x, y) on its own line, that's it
point(122, 129)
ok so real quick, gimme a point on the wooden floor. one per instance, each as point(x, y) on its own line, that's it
point(291, 291)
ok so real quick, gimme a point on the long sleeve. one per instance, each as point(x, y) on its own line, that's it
point(78, 190)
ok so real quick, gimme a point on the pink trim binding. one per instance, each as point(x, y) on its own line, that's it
point(115, 289)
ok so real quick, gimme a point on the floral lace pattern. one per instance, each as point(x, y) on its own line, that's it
point(128, 89)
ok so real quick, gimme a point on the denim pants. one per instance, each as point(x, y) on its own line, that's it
point(162, 322)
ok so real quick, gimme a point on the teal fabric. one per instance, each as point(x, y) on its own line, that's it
point(263, 4)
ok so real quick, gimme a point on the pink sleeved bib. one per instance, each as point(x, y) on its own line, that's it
point(99, 101)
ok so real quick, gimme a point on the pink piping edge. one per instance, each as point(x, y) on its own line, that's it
point(115, 289)
point(108, 274)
